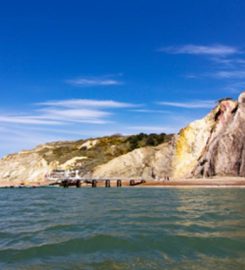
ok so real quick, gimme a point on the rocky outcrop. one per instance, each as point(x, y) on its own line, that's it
point(224, 153)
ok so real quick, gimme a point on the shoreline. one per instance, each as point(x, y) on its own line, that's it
point(216, 182)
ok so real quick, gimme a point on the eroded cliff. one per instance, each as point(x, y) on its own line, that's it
point(208, 147)
point(224, 153)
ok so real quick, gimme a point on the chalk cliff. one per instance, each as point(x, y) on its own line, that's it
point(214, 145)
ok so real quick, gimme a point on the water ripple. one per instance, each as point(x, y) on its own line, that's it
point(122, 229)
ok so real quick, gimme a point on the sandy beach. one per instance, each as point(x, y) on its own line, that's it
point(217, 182)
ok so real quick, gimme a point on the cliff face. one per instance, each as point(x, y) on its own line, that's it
point(225, 151)
point(208, 147)
point(23, 168)
point(31, 166)
point(214, 145)
point(147, 163)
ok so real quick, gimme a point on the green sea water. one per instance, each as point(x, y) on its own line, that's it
point(122, 228)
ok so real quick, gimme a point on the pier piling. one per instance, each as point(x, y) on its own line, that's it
point(65, 184)
point(107, 183)
point(94, 183)
point(131, 182)
point(119, 183)
point(78, 183)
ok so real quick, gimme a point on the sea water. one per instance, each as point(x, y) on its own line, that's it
point(122, 228)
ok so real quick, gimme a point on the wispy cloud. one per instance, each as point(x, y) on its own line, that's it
point(94, 81)
point(57, 117)
point(229, 74)
point(210, 50)
point(235, 87)
point(196, 104)
point(150, 111)
point(28, 120)
point(67, 111)
point(74, 103)
point(229, 62)
point(76, 115)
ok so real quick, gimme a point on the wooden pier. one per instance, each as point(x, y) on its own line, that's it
point(107, 183)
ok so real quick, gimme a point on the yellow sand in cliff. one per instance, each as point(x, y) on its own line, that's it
point(190, 143)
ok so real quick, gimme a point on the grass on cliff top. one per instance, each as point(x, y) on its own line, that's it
point(104, 150)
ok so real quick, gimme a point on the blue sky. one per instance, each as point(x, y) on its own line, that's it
point(79, 69)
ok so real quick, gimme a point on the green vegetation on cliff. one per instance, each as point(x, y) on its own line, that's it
point(98, 150)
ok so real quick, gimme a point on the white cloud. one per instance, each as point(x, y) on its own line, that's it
point(73, 103)
point(94, 82)
point(150, 111)
point(58, 117)
point(196, 104)
point(73, 113)
point(67, 111)
point(210, 50)
point(29, 120)
point(76, 115)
